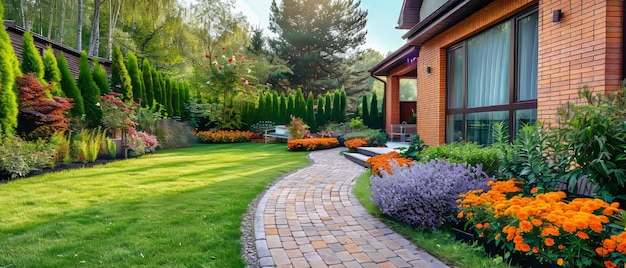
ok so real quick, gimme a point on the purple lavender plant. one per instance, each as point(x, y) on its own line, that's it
point(425, 194)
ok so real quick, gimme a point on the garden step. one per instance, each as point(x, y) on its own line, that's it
point(373, 151)
point(357, 158)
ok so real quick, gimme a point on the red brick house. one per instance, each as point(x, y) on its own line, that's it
point(480, 62)
point(71, 55)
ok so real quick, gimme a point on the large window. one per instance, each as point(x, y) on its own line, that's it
point(492, 77)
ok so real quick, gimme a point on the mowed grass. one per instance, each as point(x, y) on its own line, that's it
point(175, 208)
point(439, 243)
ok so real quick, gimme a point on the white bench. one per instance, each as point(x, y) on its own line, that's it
point(278, 133)
point(402, 130)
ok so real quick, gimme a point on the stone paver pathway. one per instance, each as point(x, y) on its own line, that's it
point(310, 218)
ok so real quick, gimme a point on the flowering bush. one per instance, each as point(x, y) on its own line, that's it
point(224, 136)
point(354, 143)
point(425, 194)
point(150, 141)
point(298, 129)
point(312, 144)
point(384, 161)
point(555, 231)
point(19, 157)
point(117, 115)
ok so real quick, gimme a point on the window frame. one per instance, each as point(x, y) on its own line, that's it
point(513, 104)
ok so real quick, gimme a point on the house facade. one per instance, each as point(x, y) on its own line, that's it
point(481, 62)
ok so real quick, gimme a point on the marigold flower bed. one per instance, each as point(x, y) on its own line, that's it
point(567, 233)
point(383, 162)
point(352, 144)
point(224, 136)
point(312, 144)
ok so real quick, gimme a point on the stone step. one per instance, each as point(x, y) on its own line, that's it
point(373, 151)
point(357, 158)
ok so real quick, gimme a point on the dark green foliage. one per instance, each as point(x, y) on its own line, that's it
point(375, 118)
point(344, 105)
point(52, 75)
point(337, 107)
point(147, 81)
point(464, 152)
point(268, 107)
point(262, 107)
point(374, 135)
point(283, 115)
point(120, 79)
point(68, 84)
point(99, 75)
point(275, 107)
point(90, 92)
point(156, 83)
point(291, 106)
point(310, 113)
point(167, 97)
point(176, 98)
point(135, 79)
point(365, 112)
point(328, 109)
point(320, 118)
point(300, 108)
point(8, 99)
point(31, 60)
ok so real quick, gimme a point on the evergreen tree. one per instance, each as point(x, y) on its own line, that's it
point(375, 120)
point(90, 92)
point(310, 113)
point(328, 110)
point(268, 107)
point(291, 106)
point(31, 60)
point(120, 79)
point(51, 73)
point(176, 98)
point(135, 79)
point(147, 81)
point(68, 84)
point(99, 75)
point(12, 61)
point(156, 83)
point(320, 116)
point(337, 107)
point(300, 109)
point(365, 112)
point(167, 97)
point(275, 107)
point(8, 99)
point(261, 109)
point(314, 37)
point(183, 98)
point(343, 105)
point(283, 116)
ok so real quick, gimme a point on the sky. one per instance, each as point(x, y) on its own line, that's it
point(382, 19)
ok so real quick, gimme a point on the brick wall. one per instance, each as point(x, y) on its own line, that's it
point(583, 49)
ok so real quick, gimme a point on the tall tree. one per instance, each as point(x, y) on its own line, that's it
point(268, 106)
point(261, 108)
point(328, 109)
point(300, 104)
point(68, 84)
point(175, 89)
point(94, 40)
point(343, 103)
point(99, 75)
point(52, 74)
point(365, 112)
point(283, 116)
point(337, 106)
point(135, 79)
point(291, 106)
point(8, 98)
point(320, 118)
point(315, 36)
point(90, 92)
point(375, 118)
point(275, 107)
point(120, 79)
point(310, 113)
point(146, 70)
point(31, 59)
point(156, 83)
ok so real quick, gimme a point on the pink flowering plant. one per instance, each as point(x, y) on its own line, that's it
point(150, 141)
point(116, 114)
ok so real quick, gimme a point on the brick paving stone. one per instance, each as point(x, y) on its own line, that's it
point(309, 218)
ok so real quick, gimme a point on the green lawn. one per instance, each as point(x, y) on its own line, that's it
point(175, 208)
point(439, 243)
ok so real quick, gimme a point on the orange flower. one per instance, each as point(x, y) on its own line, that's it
point(609, 244)
point(525, 226)
point(549, 242)
point(559, 261)
point(486, 225)
point(479, 226)
point(518, 239)
point(535, 250)
point(602, 252)
point(582, 235)
point(609, 264)
point(460, 215)
point(534, 190)
point(536, 222)
point(498, 236)
point(561, 246)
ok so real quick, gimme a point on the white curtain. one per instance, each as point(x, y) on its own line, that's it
point(527, 46)
point(488, 58)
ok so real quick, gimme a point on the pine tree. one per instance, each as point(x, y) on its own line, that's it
point(135, 79)
point(31, 60)
point(283, 116)
point(52, 75)
point(68, 84)
point(337, 107)
point(365, 112)
point(375, 120)
point(8, 99)
point(275, 107)
point(328, 110)
point(99, 75)
point(320, 116)
point(120, 79)
point(310, 113)
point(147, 81)
point(343, 105)
point(90, 92)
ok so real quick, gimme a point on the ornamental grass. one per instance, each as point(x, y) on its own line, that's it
point(384, 162)
point(224, 136)
point(354, 143)
point(312, 144)
point(545, 225)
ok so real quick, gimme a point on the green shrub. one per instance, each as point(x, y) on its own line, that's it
point(111, 148)
point(18, 157)
point(470, 153)
point(173, 134)
point(375, 137)
point(357, 123)
point(62, 144)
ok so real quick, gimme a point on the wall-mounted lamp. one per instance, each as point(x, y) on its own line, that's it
point(428, 70)
point(557, 15)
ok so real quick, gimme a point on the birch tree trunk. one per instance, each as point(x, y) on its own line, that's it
point(80, 25)
point(53, 6)
point(94, 39)
point(22, 13)
point(114, 10)
point(62, 30)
